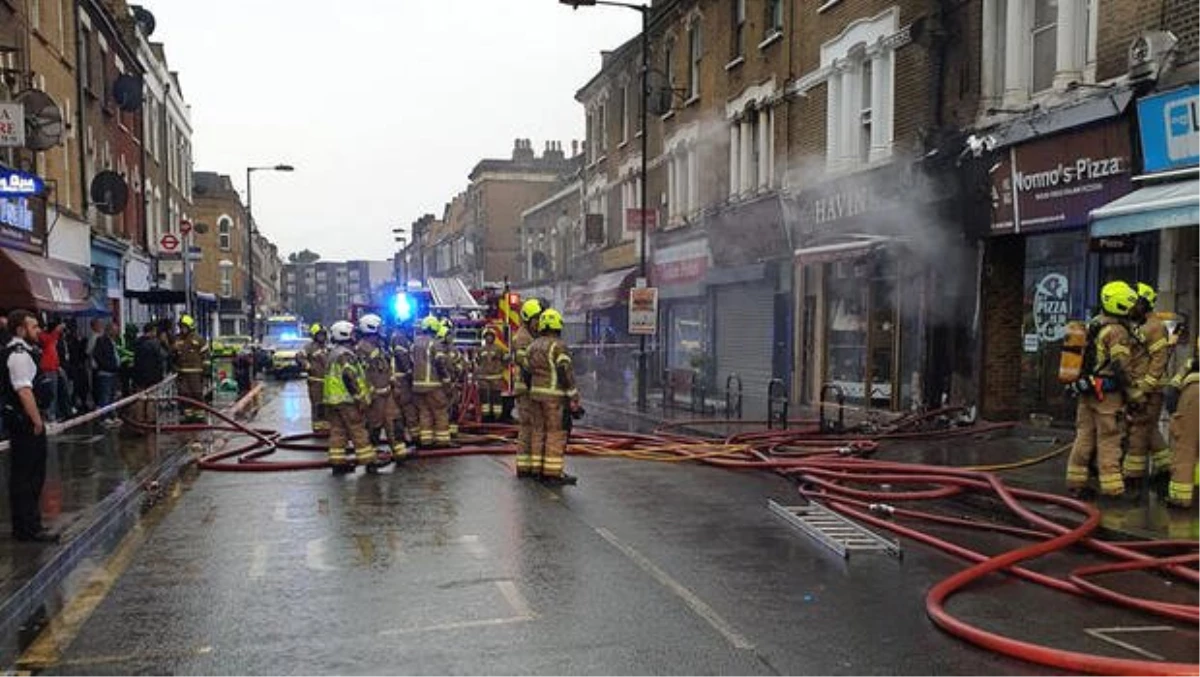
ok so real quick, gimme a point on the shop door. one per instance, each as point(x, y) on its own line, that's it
point(745, 327)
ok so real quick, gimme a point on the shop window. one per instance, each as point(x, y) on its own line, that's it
point(861, 329)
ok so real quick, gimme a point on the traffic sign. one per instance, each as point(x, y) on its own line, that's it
point(168, 242)
point(185, 227)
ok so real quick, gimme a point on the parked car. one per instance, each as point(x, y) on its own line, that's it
point(285, 358)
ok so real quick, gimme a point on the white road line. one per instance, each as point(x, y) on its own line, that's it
point(314, 555)
point(696, 604)
point(258, 560)
point(515, 599)
point(483, 623)
point(1103, 634)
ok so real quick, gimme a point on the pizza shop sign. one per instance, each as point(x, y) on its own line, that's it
point(1052, 183)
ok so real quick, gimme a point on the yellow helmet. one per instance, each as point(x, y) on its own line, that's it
point(1147, 292)
point(530, 309)
point(443, 330)
point(551, 320)
point(187, 321)
point(1118, 298)
point(431, 324)
point(315, 329)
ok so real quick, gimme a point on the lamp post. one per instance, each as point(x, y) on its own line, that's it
point(251, 289)
point(644, 10)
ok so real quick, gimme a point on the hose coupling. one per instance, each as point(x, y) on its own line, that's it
point(882, 509)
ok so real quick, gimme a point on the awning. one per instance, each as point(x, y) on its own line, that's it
point(1166, 205)
point(841, 251)
point(604, 291)
point(36, 283)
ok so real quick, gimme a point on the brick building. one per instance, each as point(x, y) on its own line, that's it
point(219, 274)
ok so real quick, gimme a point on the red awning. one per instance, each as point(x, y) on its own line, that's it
point(604, 291)
point(33, 282)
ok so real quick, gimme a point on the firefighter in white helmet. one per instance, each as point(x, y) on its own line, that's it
point(346, 396)
point(376, 359)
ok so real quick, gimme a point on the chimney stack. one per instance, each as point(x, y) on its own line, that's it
point(523, 150)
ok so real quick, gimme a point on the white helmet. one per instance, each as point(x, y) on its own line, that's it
point(341, 331)
point(370, 323)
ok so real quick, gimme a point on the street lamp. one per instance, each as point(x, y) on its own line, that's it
point(251, 290)
point(644, 10)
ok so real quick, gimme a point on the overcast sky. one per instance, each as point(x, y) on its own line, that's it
point(383, 106)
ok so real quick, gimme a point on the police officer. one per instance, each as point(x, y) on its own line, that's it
point(1183, 401)
point(406, 425)
point(1104, 390)
point(346, 395)
point(490, 362)
point(1149, 352)
point(315, 360)
point(552, 391)
point(190, 353)
point(531, 311)
point(430, 384)
point(376, 358)
point(26, 429)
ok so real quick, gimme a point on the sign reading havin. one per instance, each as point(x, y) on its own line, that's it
point(1053, 183)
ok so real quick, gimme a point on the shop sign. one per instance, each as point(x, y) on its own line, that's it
point(620, 256)
point(643, 311)
point(1051, 307)
point(1112, 245)
point(1169, 126)
point(681, 264)
point(19, 222)
point(19, 184)
point(12, 125)
point(1052, 183)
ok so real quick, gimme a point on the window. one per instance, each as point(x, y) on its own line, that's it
point(1044, 41)
point(226, 279)
point(225, 233)
point(774, 19)
point(591, 137)
point(669, 63)
point(683, 186)
point(737, 43)
point(86, 65)
point(603, 128)
point(859, 105)
point(752, 152)
point(694, 54)
point(35, 13)
point(623, 105)
point(864, 115)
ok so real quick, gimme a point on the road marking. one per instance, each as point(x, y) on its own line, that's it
point(139, 655)
point(460, 625)
point(1103, 634)
point(258, 560)
point(366, 549)
point(314, 555)
point(696, 604)
point(515, 599)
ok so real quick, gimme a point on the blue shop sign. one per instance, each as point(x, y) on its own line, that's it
point(19, 184)
point(1170, 129)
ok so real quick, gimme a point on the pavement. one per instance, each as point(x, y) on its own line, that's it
point(452, 566)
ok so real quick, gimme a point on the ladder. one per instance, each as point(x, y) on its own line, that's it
point(832, 530)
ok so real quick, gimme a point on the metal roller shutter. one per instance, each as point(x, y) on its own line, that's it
point(745, 318)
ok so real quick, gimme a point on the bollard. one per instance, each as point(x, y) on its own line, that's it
point(730, 405)
point(777, 395)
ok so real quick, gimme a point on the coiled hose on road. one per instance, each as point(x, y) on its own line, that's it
point(833, 469)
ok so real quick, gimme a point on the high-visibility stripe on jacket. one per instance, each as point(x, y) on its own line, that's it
point(428, 365)
point(553, 373)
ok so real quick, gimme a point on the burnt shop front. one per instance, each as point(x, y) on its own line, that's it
point(1040, 248)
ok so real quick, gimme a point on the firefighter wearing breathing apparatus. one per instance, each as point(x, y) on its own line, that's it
point(1149, 352)
point(406, 424)
point(315, 360)
point(554, 398)
point(531, 311)
point(430, 385)
point(490, 369)
point(1182, 399)
point(376, 360)
point(1105, 392)
point(456, 366)
point(346, 395)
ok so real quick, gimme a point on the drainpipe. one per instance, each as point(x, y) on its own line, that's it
point(81, 109)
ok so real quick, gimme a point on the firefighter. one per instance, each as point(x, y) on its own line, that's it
point(553, 394)
point(1104, 391)
point(376, 359)
point(1182, 399)
point(190, 353)
point(346, 394)
point(430, 385)
point(491, 361)
point(531, 311)
point(405, 426)
point(1149, 352)
point(456, 367)
point(315, 360)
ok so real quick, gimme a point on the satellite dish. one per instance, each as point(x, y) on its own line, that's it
point(127, 92)
point(109, 192)
point(144, 19)
point(43, 120)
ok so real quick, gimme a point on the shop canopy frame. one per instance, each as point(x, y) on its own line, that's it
point(1157, 207)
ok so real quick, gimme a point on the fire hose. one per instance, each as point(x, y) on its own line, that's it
point(825, 466)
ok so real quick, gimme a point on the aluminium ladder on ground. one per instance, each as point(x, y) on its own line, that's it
point(832, 530)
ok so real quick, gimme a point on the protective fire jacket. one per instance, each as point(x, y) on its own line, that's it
point(553, 373)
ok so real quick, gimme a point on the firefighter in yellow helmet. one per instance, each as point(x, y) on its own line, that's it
point(491, 361)
point(554, 396)
point(190, 353)
point(315, 360)
point(1149, 352)
point(346, 396)
point(376, 359)
point(456, 368)
point(430, 379)
point(1104, 391)
point(531, 311)
point(1183, 401)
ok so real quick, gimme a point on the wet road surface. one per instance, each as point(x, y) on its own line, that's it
point(453, 566)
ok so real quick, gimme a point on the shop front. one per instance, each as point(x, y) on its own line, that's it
point(679, 272)
point(1043, 191)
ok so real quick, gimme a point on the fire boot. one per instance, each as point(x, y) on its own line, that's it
point(563, 480)
point(1135, 488)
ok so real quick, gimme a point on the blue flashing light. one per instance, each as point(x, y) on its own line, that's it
point(289, 336)
point(402, 306)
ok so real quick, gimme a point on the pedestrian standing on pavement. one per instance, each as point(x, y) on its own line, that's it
point(553, 394)
point(1150, 351)
point(48, 367)
point(108, 367)
point(1105, 393)
point(531, 310)
point(148, 360)
point(27, 431)
point(97, 330)
point(66, 388)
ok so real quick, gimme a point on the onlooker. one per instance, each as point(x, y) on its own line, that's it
point(97, 331)
point(108, 367)
point(77, 368)
point(23, 419)
point(149, 360)
point(66, 389)
point(48, 367)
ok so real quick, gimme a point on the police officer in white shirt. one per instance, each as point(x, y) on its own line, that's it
point(27, 431)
